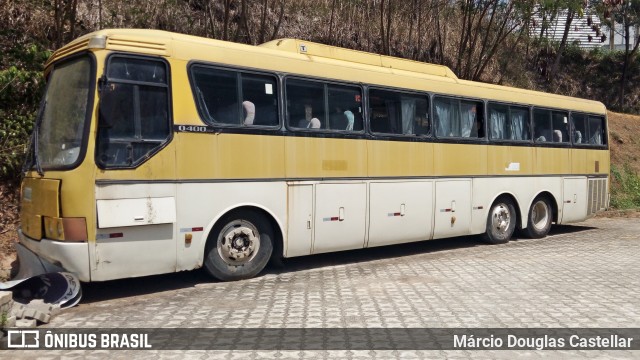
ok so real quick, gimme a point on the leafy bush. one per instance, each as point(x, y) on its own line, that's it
point(625, 187)
point(20, 91)
point(574, 55)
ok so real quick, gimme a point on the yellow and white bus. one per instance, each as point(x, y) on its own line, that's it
point(157, 152)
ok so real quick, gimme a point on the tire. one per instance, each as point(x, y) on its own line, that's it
point(277, 260)
point(239, 246)
point(501, 222)
point(539, 218)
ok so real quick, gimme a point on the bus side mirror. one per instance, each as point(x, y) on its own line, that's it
point(101, 82)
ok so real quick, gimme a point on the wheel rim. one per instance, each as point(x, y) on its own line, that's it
point(540, 215)
point(238, 242)
point(501, 219)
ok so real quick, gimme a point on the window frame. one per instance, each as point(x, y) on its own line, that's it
point(563, 144)
point(459, 139)
point(104, 79)
point(583, 145)
point(91, 102)
point(326, 83)
point(284, 129)
point(238, 72)
point(412, 137)
point(529, 109)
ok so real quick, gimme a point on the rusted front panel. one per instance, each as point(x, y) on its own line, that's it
point(40, 197)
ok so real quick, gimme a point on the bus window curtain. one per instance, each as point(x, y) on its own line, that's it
point(443, 110)
point(518, 131)
point(497, 120)
point(392, 113)
point(595, 131)
point(596, 138)
point(408, 107)
point(467, 119)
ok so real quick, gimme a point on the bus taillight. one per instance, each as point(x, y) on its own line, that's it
point(65, 229)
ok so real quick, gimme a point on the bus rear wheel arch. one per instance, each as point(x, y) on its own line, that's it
point(540, 216)
point(502, 219)
point(239, 246)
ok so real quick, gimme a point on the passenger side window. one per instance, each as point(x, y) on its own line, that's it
point(345, 108)
point(305, 104)
point(542, 126)
point(580, 128)
point(226, 97)
point(560, 122)
point(259, 95)
point(398, 113)
point(498, 122)
point(508, 122)
point(588, 129)
point(519, 118)
point(318, 105)
point(135, 117)
point(216, 93)
point(550, 126)
point(596, 135)
point(458, 118)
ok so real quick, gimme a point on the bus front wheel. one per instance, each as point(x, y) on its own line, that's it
point(539, 218)
point(501, 222)
point(240, 246)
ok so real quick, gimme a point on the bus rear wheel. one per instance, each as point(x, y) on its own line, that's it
point(240, 246)
point(539, 218)
point(501, 222)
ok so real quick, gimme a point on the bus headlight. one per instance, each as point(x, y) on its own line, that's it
point(65, 229)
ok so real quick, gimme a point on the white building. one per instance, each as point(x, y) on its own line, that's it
point(587, 30)
point(618, 39)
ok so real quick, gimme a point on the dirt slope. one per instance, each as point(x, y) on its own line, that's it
point(8, 226)
point(624, 135)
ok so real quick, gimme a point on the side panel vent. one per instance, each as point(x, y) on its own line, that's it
point(597, 195)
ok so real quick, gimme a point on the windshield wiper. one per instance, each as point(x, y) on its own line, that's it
point(34, 139)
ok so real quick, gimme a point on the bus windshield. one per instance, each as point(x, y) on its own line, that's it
point(63, 114)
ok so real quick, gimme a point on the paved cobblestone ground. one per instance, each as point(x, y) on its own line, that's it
point(585, 275)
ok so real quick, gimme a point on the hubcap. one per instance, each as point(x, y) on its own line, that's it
point(238, 242)
point(540, 215)
point(501, 218)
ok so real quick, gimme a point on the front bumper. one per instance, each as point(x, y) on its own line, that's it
point(43, 256)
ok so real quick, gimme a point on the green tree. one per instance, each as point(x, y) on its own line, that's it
point(571, 8)
point(20, 89)
point(627, 14)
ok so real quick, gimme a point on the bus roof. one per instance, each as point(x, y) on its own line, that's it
point(164, 43)
point(361, 57)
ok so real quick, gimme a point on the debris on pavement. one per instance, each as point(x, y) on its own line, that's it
point(27, 302)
